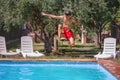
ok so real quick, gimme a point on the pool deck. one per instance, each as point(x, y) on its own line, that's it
point(110, 65)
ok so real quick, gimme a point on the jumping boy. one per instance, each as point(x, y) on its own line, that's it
point(66, 26)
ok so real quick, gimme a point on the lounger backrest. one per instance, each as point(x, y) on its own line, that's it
point(26, 44)
point(2, 45)
point(109, 45)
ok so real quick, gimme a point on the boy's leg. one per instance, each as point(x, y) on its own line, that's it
point(59, 30)
point(71, 40)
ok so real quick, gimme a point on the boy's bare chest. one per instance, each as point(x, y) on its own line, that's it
point(68, 21)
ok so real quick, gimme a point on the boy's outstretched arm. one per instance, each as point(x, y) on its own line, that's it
point(52, 16)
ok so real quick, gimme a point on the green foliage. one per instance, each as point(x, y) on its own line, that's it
point(27, 9)
point(8, 22)
point(15, 12)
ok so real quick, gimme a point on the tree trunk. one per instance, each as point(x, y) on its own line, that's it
point(100, 36)
point(48, 46)
point(113, 31)
point(96, 39)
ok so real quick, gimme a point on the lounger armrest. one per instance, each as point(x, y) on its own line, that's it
point(10, 51)
point(18, 51)
point(114, 55)
point(23, 54)
point(99, 53)
point(37, 52)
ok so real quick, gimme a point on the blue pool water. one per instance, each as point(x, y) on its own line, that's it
point(55, 70)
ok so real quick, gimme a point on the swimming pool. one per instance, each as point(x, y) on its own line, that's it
point(53, 70)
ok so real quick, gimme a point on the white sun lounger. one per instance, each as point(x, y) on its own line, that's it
point(109, 49)
point(3, 50)
point(27, 47)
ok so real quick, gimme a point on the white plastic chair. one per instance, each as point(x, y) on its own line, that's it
point(109, 49)
point(3, 50)
point(27, 47)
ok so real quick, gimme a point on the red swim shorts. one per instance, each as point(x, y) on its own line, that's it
point(68, 33)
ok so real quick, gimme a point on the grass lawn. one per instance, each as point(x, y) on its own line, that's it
point(78, 50)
